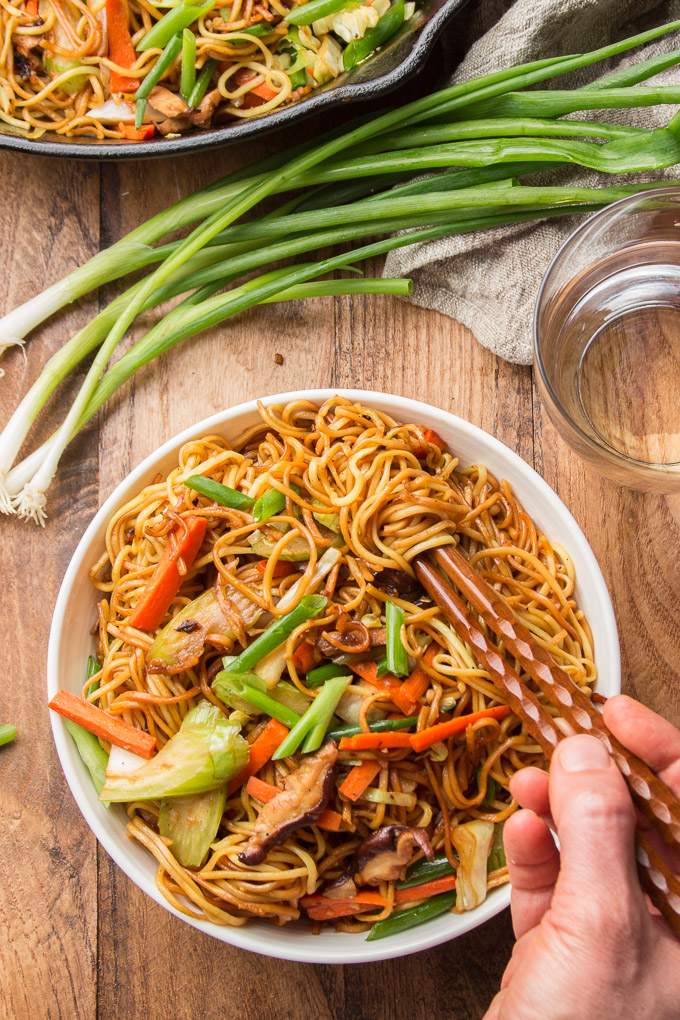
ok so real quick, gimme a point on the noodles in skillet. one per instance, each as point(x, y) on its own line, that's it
point(351, 819)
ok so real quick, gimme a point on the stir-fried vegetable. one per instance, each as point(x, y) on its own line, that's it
point(402, 920)
point(265, 792)
point(205, 753)
point(260, 751)
point(308, 607)
point(7, 733)
point(103, 725)
point(222, 494)
point(166, 579)
point(426, 871)
point(311, 728)
point(317, 677)
point(246, 691)
point(270, 502)
point(442, 731)
point(396, 657)
point(192, 823)
point(472, 842)
point(92, 753)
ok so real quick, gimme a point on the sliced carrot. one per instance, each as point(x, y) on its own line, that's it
point(427, 889)
point(121, 50)
point(304, 658)
point(103, 725)
point(430, 436)
point(375, 741)
point(323, 908)
point(282, 568)
point(442, 731)
point(388, 683)
point(414, 687)
point(360, 778)
point(432, 650)
point(261, 750)
point(32, 8)
point(164, 583)
point(265, 792)
point(263, 91)
point(131, 132)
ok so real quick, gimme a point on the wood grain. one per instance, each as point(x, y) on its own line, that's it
point(78, 938)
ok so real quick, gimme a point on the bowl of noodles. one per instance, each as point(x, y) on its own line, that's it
point(298, 754)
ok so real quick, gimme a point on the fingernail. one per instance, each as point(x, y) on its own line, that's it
point(581, 753)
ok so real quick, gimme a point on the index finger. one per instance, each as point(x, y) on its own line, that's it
point(647, 735)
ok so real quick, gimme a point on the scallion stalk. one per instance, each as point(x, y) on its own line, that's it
point(202, 82)
point(317, 677)
point(278, 632)
point(172, 23)
point(397, 659)
point(390, 23)
point(228, 685)
point(188, 73)
point(92, 753)
point(222, 494)
point(268, 504)
point(93, 667)
point(378, 726)
point(7, 733)
point(166, 59)
point(305, 14)
point(313, 725)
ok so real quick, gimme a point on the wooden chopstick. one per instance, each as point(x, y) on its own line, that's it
point(656, 877)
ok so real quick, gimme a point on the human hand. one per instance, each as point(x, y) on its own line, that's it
point(588, 942)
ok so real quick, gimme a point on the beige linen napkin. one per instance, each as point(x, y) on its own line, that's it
point(489, 280)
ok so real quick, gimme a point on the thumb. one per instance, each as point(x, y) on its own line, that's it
point(595, 822)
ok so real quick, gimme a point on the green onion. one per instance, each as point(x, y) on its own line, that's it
point(202, 82)
point(305, 14)
point(496, 858)
point(92, 753)
point(167, 57)
point(313, 725)
point(227, 685)
point(270, 503)
point(397, 659)
point(490, 788)
point(425, 871)
point(172, 23)
point(278, 632)
point(188, 75)
point(261, 29)
point(219, 493)
point(93, 667)
point(318, 676)
point(405, 919)
point(359, 49)
point(7, 733)
point(379, 726)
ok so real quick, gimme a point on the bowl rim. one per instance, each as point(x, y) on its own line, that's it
point(250, 937)
point(230, 134)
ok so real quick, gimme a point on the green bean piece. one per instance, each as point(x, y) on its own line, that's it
point(188, 75)
point(318, 676)
point(405, 919)
point(7, 733)
point(305, 14)
point(167, 57)
point(379, 726)
point(270, 503)
point(397, 659)
point(390, 23)
point(222, 494)
point(277, 633)
point(172, 23)
point(202, 82)
point(426, 871)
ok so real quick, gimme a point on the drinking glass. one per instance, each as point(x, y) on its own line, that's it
point(607, 340)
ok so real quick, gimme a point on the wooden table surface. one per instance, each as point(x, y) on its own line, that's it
point(77, 938)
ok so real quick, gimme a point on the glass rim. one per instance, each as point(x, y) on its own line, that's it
point(609, 211)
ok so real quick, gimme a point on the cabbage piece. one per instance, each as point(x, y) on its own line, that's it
point(473, 844)
point(206, 752)
point(192, 823)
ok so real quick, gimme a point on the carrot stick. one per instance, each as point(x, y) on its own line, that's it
point(388, 683)
point(360, 778)
point(323, 908)
point(430, 436)
point(282, 568)
point(303, 657)
point(427, 889)
point(375, 741)
point(265, 792)
point(442, 731)
point(121, 50)
point(130, 132)
point(164, 583)
point(103, 725)
point(431, 651)
point(414, 687)
point(261, 750)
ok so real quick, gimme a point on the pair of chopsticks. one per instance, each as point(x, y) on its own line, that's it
point(651, 796)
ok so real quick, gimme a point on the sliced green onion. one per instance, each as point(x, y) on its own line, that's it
point(379, 726)
point(381, 667)
point(496, 857)
point(93, 754)
point(222, 494)
point(167, 57)
point(318, 676)
point(425, 871)
point(270, 503)
point(172, 23)
point(93, 667)
point(202, 82)
point(7, 733)
point(397, 659)
point(305, 14)
point(359, 49)
point(188, 76)
point(278, 632)
point(227, 685)
point(313, 725)
point(405, 919)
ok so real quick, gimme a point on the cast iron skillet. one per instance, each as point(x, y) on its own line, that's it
point(389, 68)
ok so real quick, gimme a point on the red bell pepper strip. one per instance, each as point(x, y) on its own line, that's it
point(103, 725)
point(164, 584)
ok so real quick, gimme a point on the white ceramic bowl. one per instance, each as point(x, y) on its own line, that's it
point(71, 643)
